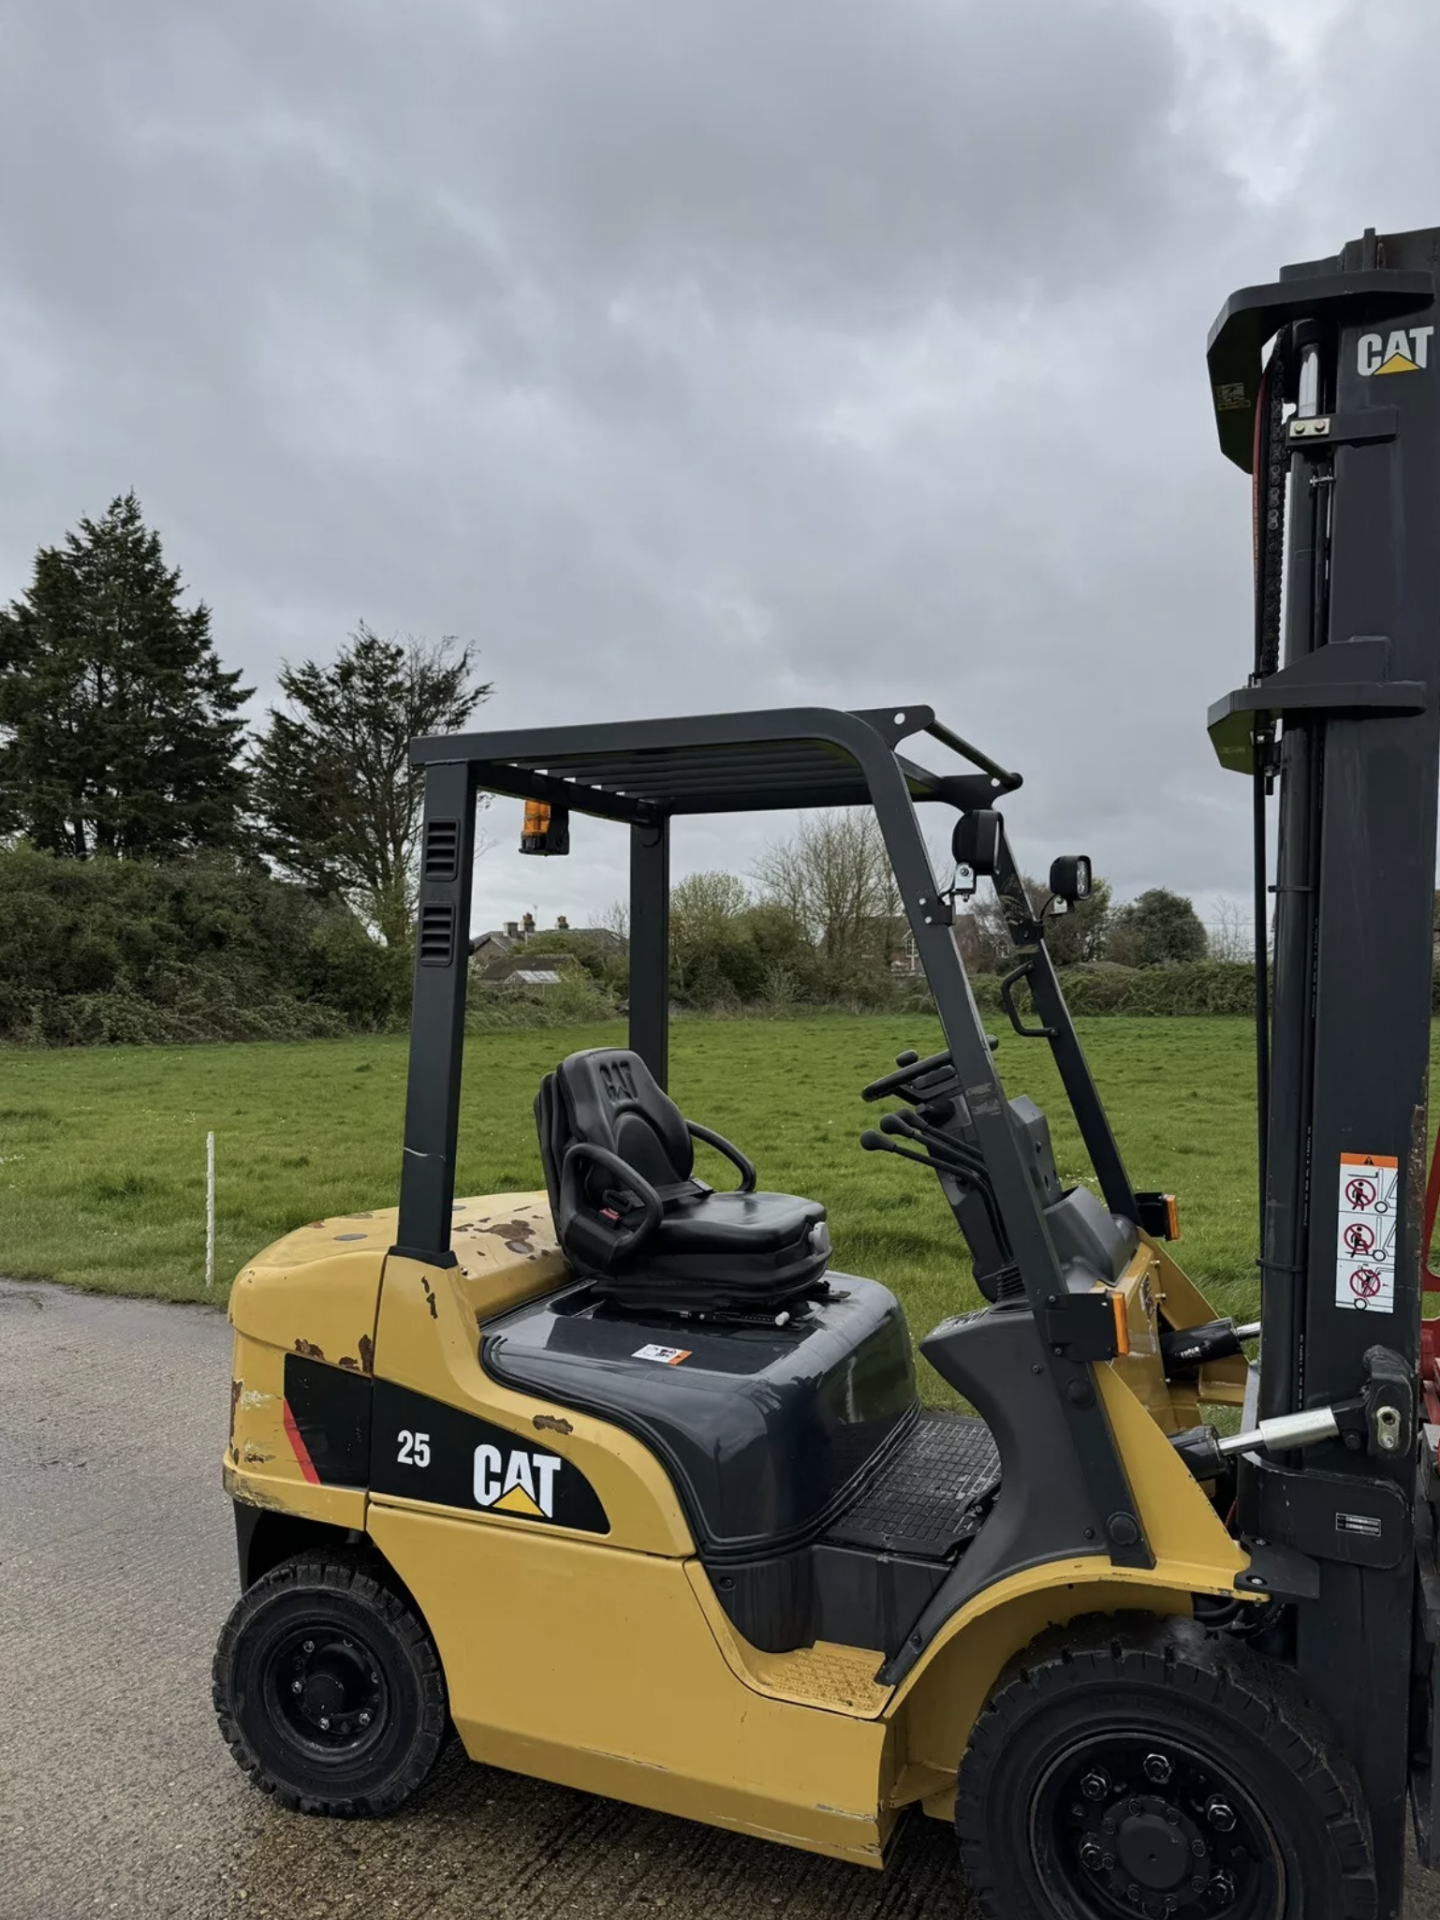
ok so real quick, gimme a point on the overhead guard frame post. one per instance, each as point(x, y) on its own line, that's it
point(650, 946)
point(437, 1027)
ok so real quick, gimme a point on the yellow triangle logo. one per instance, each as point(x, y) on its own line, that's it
point(517, 1500)
point(1398, 363)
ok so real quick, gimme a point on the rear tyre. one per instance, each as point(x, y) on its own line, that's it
point(1125, 1767)
point(328, 1688)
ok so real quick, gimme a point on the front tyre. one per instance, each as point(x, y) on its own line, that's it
point(328, 1688)
point(1129, 1767)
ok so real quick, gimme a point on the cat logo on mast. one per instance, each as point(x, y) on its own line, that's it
point(1406, 350)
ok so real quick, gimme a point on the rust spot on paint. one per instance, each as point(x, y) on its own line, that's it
point(236, 1388)
point(308, 1350)
point(350, 1366)
point(430, 1298)
point(552, 1423)
point(508, 1230)
point(367, 1353)
point(254, 1456)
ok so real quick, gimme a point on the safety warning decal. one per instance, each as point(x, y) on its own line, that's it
point(1365, 1255)
point(667, 1356)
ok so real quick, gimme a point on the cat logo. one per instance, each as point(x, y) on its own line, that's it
point(1406, 350)
point(618, 1081)
point(523, 1483)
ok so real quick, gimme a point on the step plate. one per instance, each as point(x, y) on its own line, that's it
point(932, 1494)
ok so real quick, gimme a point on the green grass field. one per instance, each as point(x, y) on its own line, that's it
point(102, 1152)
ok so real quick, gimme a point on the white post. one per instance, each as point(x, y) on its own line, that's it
point(209, 1210)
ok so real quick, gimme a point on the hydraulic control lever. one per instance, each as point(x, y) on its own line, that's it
point(943, 1146)
point(937, 1161)
point(874, 1142)
point(943, 1155)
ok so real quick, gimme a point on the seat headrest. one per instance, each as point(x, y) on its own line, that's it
point(612, 1100)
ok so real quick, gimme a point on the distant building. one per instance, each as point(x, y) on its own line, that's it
point(503, 954)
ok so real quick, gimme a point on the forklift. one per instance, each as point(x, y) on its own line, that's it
point(624, 1484)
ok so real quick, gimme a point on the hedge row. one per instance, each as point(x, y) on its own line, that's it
point(1199, 986)
point(105, 952)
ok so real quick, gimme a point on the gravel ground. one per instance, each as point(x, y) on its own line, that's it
point(116, 1795)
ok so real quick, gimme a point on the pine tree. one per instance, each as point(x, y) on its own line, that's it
point(119, 729)
point(338, 800)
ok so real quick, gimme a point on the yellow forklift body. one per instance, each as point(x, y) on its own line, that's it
point(608, 1664)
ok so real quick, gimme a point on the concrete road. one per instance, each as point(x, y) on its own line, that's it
point(116, 1795)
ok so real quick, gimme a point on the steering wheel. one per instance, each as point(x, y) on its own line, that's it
point(909, 1067)
point(911, 1073)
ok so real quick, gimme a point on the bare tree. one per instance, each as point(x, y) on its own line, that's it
point(833, 875)
point(616, 919)
point(982, 932)
point(1230, 933)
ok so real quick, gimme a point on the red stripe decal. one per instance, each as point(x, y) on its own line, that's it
point(302, 1452)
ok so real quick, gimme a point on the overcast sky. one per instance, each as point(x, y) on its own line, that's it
point(694, 354)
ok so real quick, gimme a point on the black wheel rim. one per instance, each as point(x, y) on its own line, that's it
point(325, 1693)
point(1133, 1823)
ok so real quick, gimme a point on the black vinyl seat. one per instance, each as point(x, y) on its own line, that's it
point(632, 1218)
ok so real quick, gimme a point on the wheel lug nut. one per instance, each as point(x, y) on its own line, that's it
point(309, 1646)
point(1222, 1886)
point(1091, 1858)
point(297, 1686)
point(1107, 1825)
point(324, 1723)
point(364, 1719)
point(1095, 1784)
point(1197, 1847)
point(1219, 1813)
point(1136, 1807)
point(1172, 1817)
point(1157, 1768)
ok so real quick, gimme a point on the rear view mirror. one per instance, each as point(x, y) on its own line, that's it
point(1070, 877)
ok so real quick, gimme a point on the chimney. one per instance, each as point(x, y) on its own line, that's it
point(512, 929)
point(529, 924)
point(562, 925)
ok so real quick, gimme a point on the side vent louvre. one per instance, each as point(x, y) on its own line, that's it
point(442, 849)
point(437, 935)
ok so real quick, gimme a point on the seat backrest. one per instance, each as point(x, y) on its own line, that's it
point(608, 1097)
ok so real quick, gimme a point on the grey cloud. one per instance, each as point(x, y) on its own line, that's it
point(699, 355)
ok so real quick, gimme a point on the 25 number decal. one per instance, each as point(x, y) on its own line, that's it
point(414, 1449)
